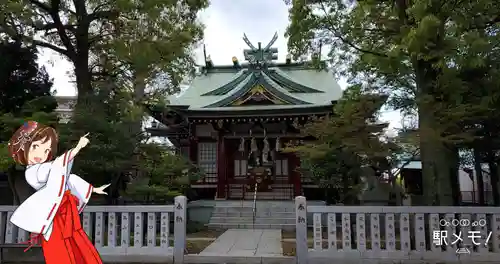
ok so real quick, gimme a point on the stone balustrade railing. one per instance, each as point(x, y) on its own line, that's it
point(442, 234)
point(155, 231)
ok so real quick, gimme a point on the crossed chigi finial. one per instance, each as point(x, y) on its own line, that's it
point(256, 55)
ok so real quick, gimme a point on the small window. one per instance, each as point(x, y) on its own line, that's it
point(207, 161)
point(281, 167)
point(240, 168)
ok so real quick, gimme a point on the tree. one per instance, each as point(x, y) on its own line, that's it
point(481, 118)
point(24, 95)
point(164, 175)
point(112, 143)
point(21, 80)
point(153, 36)
point(345, 143)
point(411, 50)
point(116, 47)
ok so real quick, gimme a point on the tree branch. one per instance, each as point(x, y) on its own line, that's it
point(17, 36)
point(487, 24)
point(345, 41)
point(109, 14)
point(99, 7)
point(408, 161)
point(40, 5)
point(44, 44)
point(49, 26)
point(54, 13)
point(80, 7)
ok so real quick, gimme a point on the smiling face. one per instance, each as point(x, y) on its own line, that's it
point(39, 151)
point(34, 146)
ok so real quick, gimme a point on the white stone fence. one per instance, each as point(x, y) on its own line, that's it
point(398, 233)
point(124, 232)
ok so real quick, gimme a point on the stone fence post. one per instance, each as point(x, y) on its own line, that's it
point(301, 250)
point(180, 208)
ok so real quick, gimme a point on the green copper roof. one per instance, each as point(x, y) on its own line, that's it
point(212, 89)
point(259, 84)
point(284, 81)
point(252, 80)
point(226, 88)
point(277, 76)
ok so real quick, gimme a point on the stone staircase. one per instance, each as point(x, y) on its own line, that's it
point(278, 192)
point(239, 214)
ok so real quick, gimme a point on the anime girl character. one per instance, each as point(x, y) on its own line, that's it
point(51, 214)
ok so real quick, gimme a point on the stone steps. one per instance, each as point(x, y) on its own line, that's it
point(258, 220)
point(262, 196)
point(248, 207)
point(257, 214)
point(268, 215)
point(276, 193)
point(260, 209)
point(287, 227)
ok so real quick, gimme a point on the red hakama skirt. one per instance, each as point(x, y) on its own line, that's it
point(68, 243)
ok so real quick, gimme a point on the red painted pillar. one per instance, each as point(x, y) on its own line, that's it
point(193, 146)
point(295, 174)
point(221, 167)
point(193, 150)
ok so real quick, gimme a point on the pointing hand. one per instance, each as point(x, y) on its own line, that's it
point(83, 141)
point(100, 190)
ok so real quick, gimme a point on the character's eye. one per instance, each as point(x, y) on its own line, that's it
point(35, 146)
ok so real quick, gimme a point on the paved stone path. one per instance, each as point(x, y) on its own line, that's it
point(246, 243)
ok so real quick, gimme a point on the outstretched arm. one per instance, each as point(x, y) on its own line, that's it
point(67, 157)
point(81, 144)
point(72, 152)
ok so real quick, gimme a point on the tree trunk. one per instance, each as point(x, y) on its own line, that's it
point(81, 61)
point(345, 189)
point(479, 176)
point(139, 92)
point(436, 164)
point(454, 180)
point(493, 177)
point(394, 194)
point(11, 178)
point(135, 126)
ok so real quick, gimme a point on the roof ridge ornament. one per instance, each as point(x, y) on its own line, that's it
point(259, 57)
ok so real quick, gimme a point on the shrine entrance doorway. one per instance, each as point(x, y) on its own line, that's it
point(260, 179)
point(263, 167)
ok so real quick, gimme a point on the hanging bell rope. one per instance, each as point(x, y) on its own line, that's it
point(265, 150)
point(242, 145)
point(253, 145)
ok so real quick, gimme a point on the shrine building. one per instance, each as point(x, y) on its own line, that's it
point(234, 121)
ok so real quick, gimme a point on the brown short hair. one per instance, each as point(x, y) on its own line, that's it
point(21, 141)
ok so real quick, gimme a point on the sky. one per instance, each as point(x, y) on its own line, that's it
point(225, 23)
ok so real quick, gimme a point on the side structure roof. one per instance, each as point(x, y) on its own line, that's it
point(293, 86)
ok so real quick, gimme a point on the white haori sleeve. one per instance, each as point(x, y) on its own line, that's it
point(78, 186)
point(81, 189)
point(37, 175)
point(35, 215)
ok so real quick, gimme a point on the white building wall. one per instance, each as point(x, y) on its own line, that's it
point(468, 186)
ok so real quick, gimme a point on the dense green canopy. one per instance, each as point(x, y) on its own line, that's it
point(24, 95)
point(417, 53)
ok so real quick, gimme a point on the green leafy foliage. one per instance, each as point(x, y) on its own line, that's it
point(163, 175)
point(21, 80)
point(344, 144)
point(25, 95)
point(136, 40)
point(124, 53)
point(108, 156)
point(416, 52)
